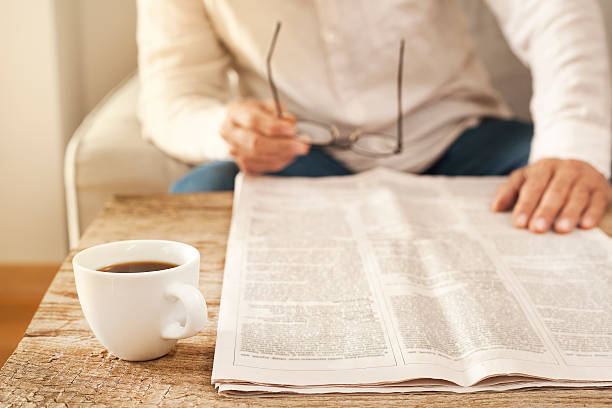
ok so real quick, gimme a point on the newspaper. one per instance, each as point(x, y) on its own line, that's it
point(389, 282)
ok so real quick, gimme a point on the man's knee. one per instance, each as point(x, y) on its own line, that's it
point(214, 176)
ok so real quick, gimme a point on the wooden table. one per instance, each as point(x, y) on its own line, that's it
point(59, 362)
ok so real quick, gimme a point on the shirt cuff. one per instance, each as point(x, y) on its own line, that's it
point(573, 140)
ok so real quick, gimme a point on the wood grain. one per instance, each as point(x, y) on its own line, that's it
point(59, 362)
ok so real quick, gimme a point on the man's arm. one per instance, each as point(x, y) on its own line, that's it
point(183, 76)
point(563, 43)
point(184, 101)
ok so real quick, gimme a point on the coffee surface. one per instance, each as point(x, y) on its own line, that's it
point(140, 266)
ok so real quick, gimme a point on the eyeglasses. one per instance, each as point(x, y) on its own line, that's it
point(323, 134)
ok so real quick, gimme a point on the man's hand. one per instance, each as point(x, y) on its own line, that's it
point(564, 192)
point(260, 141)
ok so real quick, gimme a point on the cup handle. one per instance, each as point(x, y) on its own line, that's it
point(195, 310)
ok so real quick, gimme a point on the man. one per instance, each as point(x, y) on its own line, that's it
point(336, 62)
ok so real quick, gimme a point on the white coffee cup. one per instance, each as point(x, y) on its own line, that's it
point(140, 316)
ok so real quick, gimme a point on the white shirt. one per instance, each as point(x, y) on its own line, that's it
point(336, 61)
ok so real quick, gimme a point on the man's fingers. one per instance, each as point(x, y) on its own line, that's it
point(250, 167)
point(270, 106)
point(564, 192)
point(252, 143)
point(259, 166)
point(256, 153)
point(576, 203)
point(595, 210)
point(552, 200)
point(508, 191)
point(254, 117)
point(529, 196)
point(273, 161)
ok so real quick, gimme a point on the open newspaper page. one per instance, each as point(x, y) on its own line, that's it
point(387, 282)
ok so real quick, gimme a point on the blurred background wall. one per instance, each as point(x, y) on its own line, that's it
point(59, 58)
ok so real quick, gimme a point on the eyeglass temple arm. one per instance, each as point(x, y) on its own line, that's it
point(400, 116)
point(279, 111)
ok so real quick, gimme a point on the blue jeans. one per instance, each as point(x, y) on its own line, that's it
point(495, 147)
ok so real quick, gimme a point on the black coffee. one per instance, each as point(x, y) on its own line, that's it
point(140, 266)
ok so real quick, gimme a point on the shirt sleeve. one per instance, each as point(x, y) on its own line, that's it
point(564, 44)
point(183, 79)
